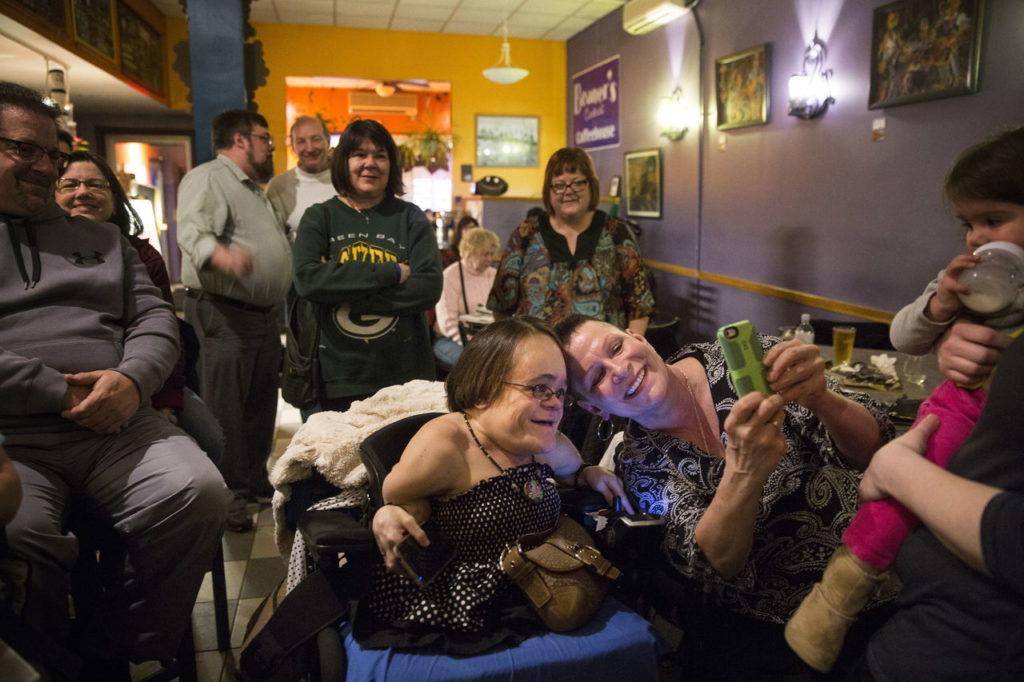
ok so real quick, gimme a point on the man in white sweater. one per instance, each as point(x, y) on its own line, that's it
point(292, 192)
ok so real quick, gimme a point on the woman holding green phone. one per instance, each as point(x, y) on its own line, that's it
point(756, 491)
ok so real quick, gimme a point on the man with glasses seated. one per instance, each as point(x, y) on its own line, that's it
point(237, 265)
point(85, 338)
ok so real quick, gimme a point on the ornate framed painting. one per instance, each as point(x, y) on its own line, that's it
point(643, 183)
point(741, 88)
point(924, 49)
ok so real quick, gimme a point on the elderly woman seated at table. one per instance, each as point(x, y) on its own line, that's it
point(485, 476)
point(756, 491)
point(467, 283)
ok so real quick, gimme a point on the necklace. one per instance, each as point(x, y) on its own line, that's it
point(362, 212)
point(531, 490)
point(699, 413)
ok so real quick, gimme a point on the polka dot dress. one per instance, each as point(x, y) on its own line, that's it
point(478, 524)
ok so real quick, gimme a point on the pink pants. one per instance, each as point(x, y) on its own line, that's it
point(880, 527)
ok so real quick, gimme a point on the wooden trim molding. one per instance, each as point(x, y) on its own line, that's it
point(802, 297)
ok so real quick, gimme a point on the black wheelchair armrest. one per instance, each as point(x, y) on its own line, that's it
point(333, 529)
point(578, 503)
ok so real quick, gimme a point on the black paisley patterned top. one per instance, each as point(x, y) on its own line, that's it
point(808, 500)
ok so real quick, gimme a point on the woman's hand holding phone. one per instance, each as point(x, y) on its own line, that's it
point(796, 370)
point(391, 525)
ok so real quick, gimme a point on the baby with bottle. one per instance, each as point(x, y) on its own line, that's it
point(986, 285)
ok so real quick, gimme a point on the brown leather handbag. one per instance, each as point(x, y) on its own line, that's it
point(563, 575)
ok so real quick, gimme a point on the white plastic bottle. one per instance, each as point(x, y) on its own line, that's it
point(804, 331)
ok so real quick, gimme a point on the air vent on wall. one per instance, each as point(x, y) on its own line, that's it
point(372, 103)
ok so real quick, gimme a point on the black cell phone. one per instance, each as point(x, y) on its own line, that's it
point(423, 564)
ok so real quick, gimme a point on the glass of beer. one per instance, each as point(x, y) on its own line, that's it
point(842, 345)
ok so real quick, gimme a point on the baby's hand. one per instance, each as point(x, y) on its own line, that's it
point(946, 303)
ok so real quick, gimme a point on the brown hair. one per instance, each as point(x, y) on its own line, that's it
point(478, 376)
point(571, 160)
point(990, 171)
point(352, 139)
point(228, 123)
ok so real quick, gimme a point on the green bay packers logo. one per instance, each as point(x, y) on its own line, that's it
point(364, 326)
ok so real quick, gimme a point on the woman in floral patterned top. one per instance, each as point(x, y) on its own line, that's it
point(574, 259)
point(756, 491)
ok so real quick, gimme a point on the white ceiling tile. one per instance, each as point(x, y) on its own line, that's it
point(363, 9)
point(432, 3)
point(496, 6)
point(477, 15)
point(596, 10)
point(526, 31)
point(563, 7)
point(422, 25)
point(422, 12)
point(568, 28)
point(470, 27)
point(363, 22)
point(532, 20)
point(301, 17)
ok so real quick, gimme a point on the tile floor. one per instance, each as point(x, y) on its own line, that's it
point(252, 567)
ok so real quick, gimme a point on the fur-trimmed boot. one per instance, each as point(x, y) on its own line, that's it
point(817, 628)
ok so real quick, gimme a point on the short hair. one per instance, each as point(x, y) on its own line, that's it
point(565, 329)
point(479, 374)
point(466, 221)
point(310, 119)
point(14, 96)
point(478, 242)
point(992, 170)
point(352, 138)
point(227, 123)
point(571, 160)
point(124, 215)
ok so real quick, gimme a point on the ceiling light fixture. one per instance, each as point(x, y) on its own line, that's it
point(503, 73)
point(384, 89)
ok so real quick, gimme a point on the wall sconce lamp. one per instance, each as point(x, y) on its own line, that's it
point(672, 116)
point(809, 91)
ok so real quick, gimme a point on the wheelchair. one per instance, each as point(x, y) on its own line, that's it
point(616, 644)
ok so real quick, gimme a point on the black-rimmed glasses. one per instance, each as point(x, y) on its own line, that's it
point(72, 184)
point(542, 392)
point(29, 153)
point(267, 138)
point(562, 187)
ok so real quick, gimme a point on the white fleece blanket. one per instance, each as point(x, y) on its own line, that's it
point(329, 442)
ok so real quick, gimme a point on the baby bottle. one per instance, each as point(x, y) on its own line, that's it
point(996, 279)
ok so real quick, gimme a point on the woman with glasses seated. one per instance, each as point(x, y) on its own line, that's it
point(88, 187)
point(575, 258)
point(485, 476)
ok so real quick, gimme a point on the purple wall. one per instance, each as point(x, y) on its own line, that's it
point(814, 206)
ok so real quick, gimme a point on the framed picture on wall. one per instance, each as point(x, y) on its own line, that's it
point(94, 25)
point(507, 141)
point(741, 88)
point(643, 183)
point(924, 49)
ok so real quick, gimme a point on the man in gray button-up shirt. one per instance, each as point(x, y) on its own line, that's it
point(237, 267)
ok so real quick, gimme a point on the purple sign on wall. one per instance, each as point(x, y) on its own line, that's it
point(595, 105)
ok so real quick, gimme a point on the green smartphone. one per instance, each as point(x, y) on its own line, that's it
point(742, 346)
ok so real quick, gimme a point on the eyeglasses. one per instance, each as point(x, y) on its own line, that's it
point(29, 153)
point(576, 186)
point(268, 139)
point(71, 184)
point(542, 392)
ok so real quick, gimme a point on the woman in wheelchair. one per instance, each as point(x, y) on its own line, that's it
point(755, 491)
point(484, 475)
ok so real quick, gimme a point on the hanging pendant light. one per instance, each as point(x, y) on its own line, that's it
point(503, 72)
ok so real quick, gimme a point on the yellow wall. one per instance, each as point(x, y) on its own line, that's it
point(177, 30)
point(306, 50)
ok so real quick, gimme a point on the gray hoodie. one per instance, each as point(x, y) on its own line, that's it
point(74, 297)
